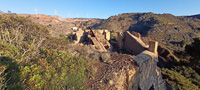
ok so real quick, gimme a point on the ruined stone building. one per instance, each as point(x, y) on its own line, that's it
point(100, 38)
point(137, 72)
point(133, 44)
point(148, 75)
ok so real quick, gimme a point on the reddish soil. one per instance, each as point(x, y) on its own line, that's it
point(61, 26)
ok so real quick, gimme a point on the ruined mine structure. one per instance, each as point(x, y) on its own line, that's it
point(137, 71)
point(99, 38)
point(147, 75)
point(132, 43)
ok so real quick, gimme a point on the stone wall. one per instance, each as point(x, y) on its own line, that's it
point(119, 40)
point(100, 38)
point(153, 46)
point(136, 34)
point(107, 35)
point(79, 36)
point(133, 44)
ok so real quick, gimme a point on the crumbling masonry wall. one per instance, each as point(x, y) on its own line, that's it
point(147, 76)
point(133, 44)
point(100, 38)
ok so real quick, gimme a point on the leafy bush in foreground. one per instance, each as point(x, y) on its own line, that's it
point(55, 70)
point(33, 60)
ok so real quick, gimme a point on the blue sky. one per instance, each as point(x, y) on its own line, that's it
point(100, 8)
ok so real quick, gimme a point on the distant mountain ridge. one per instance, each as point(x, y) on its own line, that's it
point(168, 29)
point(195, 16)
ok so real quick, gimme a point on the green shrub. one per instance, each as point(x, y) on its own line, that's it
point(178, 81)
point(121, 18)
point(194, 51)
point(35, 60)
point(183, 42)
point(112, 37)
point(55, 70)
point(188, 73)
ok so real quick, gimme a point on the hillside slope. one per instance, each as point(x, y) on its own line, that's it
point(60, 26)
point(167, 29)
point(195, 16)
point(31, 59)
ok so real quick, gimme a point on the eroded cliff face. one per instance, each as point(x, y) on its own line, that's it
point(127, 72)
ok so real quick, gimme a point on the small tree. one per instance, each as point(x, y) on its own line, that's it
point(194, 51)
point(194, 48)
point(183, 43)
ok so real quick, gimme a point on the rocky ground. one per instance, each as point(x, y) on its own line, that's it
point(111, 74)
